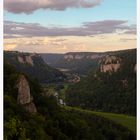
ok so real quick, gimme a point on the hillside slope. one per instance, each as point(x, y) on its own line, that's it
point(80, 63)
point(111, 88)
point(33, 65)
point(125, 120)
point(77, 62)
point(51, 122)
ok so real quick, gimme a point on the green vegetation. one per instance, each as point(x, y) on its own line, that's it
point(81, 66)
point(124, 120)
point(52, 122)
point(62, 91)
point(115, 92)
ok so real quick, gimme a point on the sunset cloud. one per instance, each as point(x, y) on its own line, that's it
point(69, 25)
point(17, 29)
point(63, 44)
point(28, 6)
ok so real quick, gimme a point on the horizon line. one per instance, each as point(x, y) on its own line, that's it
point(70, 52)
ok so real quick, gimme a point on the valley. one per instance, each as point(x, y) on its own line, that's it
point(70, 70)
point(70, 96)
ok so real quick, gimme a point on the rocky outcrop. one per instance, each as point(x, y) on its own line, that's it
point(110, 68)
point(29, 60)
point(30, 108)
point(21, 60)
point(24, 97)
point(95, 56)
point(26, 60)
point(68, 57)
point(110, 64)
point(84, 55)
point(78, 56)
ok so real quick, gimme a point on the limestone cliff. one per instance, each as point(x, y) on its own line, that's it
point(24, 97)
point(84, 55)
point(110, 64)
point(26, 60)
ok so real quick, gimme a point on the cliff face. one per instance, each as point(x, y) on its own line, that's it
point(26, 60)
point(34, 66)
point(110, 64)
point(24, 97)
point(78, 56)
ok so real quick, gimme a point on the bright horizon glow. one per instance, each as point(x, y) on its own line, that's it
point(70, 52)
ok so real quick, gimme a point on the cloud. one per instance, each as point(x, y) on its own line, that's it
point(127, 39)
point(57, 42)
point(28, 6)
point(18, 29)
point(7, 36)
point(51, 46)
point(63, 44)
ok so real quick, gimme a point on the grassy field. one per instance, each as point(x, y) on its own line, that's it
point(124, 120)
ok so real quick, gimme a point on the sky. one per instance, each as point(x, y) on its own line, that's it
point(60, 26)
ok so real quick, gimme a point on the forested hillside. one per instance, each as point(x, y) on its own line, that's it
point(33, 65)
point(50, 121)
point(82, 63)
point(111, 88)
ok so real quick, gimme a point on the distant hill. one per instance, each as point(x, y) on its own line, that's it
point(33, 65)
point(51, 58)
point(77, 62)
point(111, 88)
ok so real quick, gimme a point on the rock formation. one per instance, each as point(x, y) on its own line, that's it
point(26, 60)
point(68, 57)
point(78, 56)
point(29, 60)
point(21, 60)
point(110, 64)
point(24, 97)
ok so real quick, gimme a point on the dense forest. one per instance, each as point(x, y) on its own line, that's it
point(52, 121)
point(108, 91)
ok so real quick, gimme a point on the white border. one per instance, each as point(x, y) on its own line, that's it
point(138, 69)
point(1, 69)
